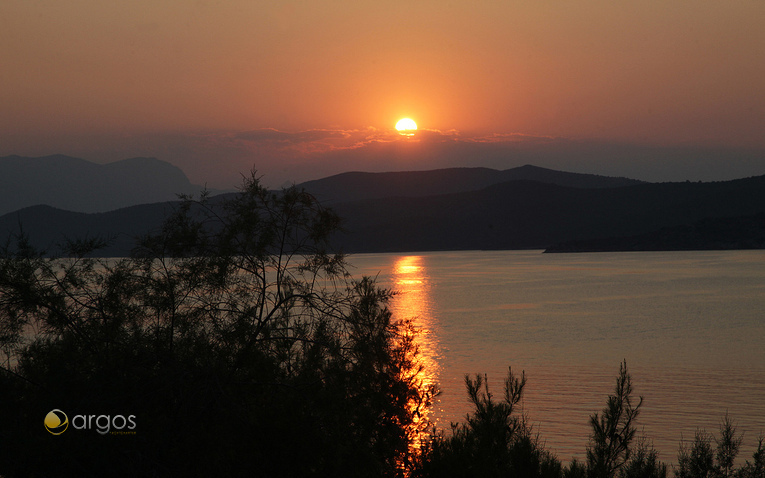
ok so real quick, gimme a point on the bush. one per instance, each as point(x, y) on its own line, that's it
point(643, 463)
point(494, 442)
point(237, 342)
point(700, 460)
point(756, 468)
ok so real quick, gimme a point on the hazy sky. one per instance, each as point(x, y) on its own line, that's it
point(301, 89)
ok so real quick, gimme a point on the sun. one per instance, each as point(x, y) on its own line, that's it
point(406, 126)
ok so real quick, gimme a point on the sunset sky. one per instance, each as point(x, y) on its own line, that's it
point(659, 90)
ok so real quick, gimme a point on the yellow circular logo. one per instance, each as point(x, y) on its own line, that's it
point(56, 422)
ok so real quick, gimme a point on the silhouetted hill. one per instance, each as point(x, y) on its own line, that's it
point(724, 233)
point(355, 186)
point(77, 185)
point(47, 227)
point(511, 215)
point(526, 214)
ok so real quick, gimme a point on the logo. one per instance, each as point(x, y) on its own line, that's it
point(56, 422)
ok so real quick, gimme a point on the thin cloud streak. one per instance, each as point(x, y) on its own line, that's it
point(325, 140)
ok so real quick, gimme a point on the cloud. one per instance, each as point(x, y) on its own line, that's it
point(271, 135)
point(284, 156)
point(317, 141)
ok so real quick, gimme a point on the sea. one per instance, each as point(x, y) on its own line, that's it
point(690, 326)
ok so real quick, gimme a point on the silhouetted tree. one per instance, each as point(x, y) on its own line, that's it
point(493, 442)
point(755, 468)
point(613, 430)
point(728, 446)
point(696, 460)
point(643, 463)
point(700, 460)
point(238, 342)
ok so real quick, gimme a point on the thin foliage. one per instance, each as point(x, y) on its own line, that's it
point(613, 430)
point(234, 336)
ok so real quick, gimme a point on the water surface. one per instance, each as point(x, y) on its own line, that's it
point(689, 324)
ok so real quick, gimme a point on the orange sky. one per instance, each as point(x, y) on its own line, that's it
point(79, 77)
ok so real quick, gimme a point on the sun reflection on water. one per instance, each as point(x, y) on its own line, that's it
point(413, 300)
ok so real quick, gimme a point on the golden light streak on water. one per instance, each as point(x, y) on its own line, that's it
point(413, 300)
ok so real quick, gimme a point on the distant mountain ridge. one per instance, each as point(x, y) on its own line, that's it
point(534, 215)
point(514, 214)
point(722, 233)
point(356, 186)
point(48, 227)
point(75, 184)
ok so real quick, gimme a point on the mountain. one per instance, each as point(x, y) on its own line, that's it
point(530, 215)
point(356, 186)
point(74, 184)
point(722, 233)
point(48, 227)
point(515, 214)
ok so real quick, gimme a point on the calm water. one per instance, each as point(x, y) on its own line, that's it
point(691, 326)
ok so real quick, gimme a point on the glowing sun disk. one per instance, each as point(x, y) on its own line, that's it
point(406, 126)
